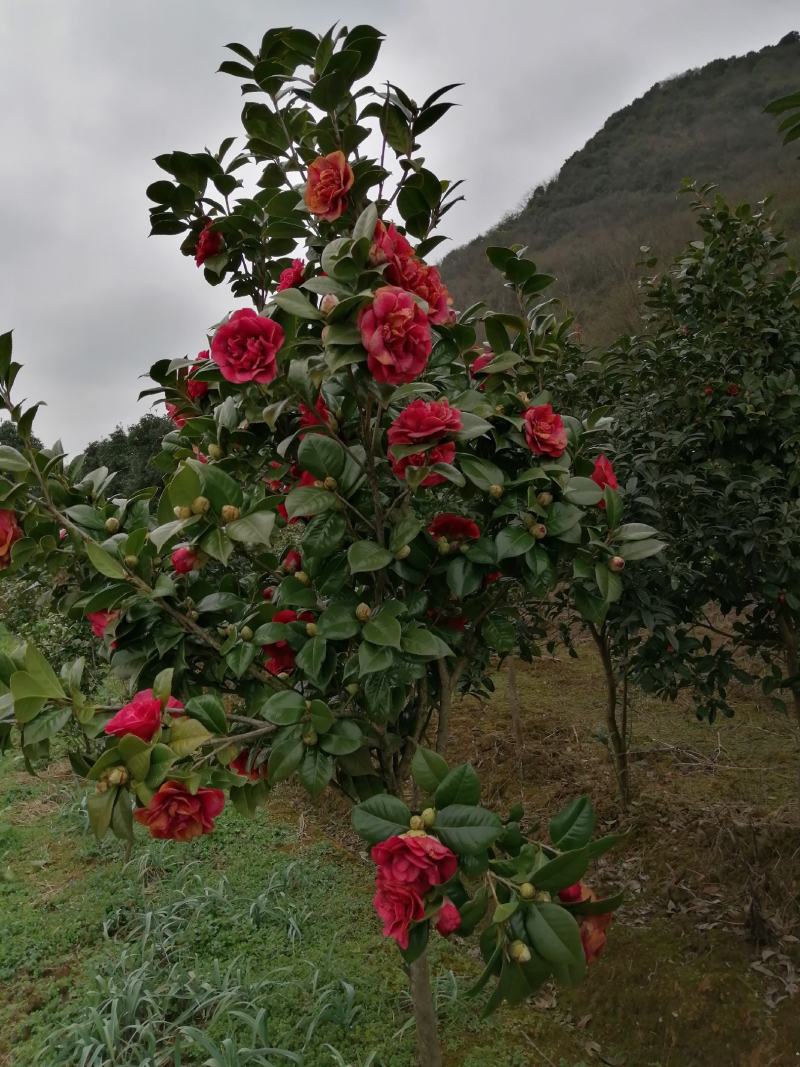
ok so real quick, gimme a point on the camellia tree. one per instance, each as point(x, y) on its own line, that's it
point(347, 520)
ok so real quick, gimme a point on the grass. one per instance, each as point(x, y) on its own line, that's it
point(262, 935)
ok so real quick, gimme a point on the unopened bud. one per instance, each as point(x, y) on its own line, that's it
point(229, 513)
point(415, 823)
point(230, 630)
point(527, 891)
point(539, 530)
point(200, 505)
point(102, 786)
point(495, 491)
point(193, 615)
point(352, 688)
point(519, 952)
point(182, 512)
point(131, 561)
point(403, 553)
point(283, 675)
point(246, 633)
point(325, 332)
point(443, 546)
point(331, 484)
point(499, 409)
point(112, 524)
point(363, 612)
point(215, 452)
point(328, 303)
point(302, 577)
point(543, 897)
point(544, 500)
point(310, 737)
point(429, 817)
point(616, 564)
point(312, 629)
point(244, 425)
point(118, 776)
point(523, 396)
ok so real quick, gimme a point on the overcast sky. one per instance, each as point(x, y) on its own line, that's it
point(92, 90)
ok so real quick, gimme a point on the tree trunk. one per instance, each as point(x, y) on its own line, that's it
point(429, 1051)
point(445, 698)
point(512, 697)
point(617, 742)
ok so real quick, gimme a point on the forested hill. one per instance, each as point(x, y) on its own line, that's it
point(619, 191)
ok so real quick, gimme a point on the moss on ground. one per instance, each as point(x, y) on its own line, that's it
point(713, 828)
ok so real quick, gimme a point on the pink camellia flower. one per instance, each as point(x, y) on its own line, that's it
point(244, 348)
point(292, 561)
point(62, 534)
point(319, 415)
point(449, 918)
point(481, 361)
point(396, 335)
point(9, 533)
point(443, 453)
point(603, 475)
point(388, 245)
point(545, 431)
point(454, 527)
point(419, 861)
point(178, 417)
point(330, 178)
point(141, 717)
point(292, 276)
point(424, 421)
point(176, 813)
point(209, 243)
point(101, 620)
point(398, 906)
point(185, 559)
point(194, 389)
point(417, 277)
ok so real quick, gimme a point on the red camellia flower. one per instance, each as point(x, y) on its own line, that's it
point(424, 421)
point(454, 527)
point(732, 389)
point(708, 390)
point(603, 475)
point(593, 931)
point(209, 243)
point(194, 389)
point(282, 659)
point(419, 861)
point(330, 178)
point(292, 276)
point(417, 277)
point(396, 335)
point(142, 717)
point(572, 893)
point(292, 561)
point(444, 453)
point(319, 415)
point(178, 417)
point(9, 533)
point(481, 361)
point(492, 576)
point(101, 620)
point(244, 348)
point(176, 813)
point(398, 907)
point(449, 918)
point(545, 431)
point(388, 245)
point(240, 765)
point(185, 559)
point(268, 593)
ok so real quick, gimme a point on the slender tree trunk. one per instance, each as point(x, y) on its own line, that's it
point(429, 1051)
point(445, 700)
point(789, 638)
point(617, 742)
point(512, 696)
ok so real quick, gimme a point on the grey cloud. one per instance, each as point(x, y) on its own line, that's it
point(93, 90)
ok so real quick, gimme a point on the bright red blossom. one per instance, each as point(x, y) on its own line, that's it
point(424, 421)
point(292, 276)
point(194, 389)
point(406, 271)
point(419, 861)
point(209, 243)
point(603, 475)
point(244, 348)
point(176, 813)
point(398, 906)
point(444, 453)
point(185, 559)
point(292, 561)
point(388, 245)
point(101, 620)
point(449, 919)
point(141, 717)
point(454, 527)
point(545, 431)
point(178, 417)
point(319, 415)
point(330, 178)
point(396, 335)
point(240, 765)
point(481, 361)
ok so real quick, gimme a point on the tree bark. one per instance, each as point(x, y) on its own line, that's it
point(429, 1051)
point(617, 743)
point(445, 699)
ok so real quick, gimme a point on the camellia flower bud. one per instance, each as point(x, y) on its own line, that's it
point(352, 688)
point(539, 530)
point(328, 303)
point(215, 452)
point(283, 675)
point(310, 737)
point(416, 823)
point(246, 633)
point(302, 577)
point(495, 491)
point(230, 630)
point(523, 396)
point(312, 629)
point(131, 561)
point(527, 891)
point(543, 897)
point(519, 952)
point(229, 513)
point(616, 564)
point(118, 776)
point(182, 512)
point(443, 546)
point(324, 335)
point(428, 817)
point(112, 524)
point(544, 499)
point(403, 553)
point(200, 505)
point(331, 484)
point(363, 612)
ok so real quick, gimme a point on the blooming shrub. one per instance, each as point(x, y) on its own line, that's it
point(424, 500)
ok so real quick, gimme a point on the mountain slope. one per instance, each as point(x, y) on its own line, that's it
point(620, 190)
